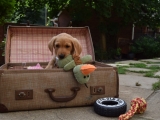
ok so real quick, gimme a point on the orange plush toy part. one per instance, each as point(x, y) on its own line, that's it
point(87, 69)
point(138, 105)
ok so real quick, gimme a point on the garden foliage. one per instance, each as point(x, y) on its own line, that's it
point(146, 47)
point(139, 12)
point(7, 8)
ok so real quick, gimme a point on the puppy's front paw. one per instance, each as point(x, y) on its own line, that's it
point(48, 67)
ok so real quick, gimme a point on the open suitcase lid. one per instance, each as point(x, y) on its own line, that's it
point(30, 43)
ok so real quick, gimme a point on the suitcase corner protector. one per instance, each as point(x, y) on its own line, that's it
point(3, 108)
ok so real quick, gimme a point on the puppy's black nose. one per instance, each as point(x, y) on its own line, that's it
point(61, 56)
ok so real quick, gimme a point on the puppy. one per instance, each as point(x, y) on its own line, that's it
point(63, 45)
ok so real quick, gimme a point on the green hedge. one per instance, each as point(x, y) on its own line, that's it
point(7, 8)
point(146, 47)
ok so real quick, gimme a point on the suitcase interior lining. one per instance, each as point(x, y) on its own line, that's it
point(23, 66)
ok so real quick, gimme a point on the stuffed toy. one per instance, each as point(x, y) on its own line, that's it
point(82, 72)
point(61, 63)
point(138, 105)
point(80, 69)
point(38, 66)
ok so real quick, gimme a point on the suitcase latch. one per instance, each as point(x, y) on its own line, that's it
point(97, 90)
point(23, 94)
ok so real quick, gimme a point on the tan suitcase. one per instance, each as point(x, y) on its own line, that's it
point(23, 89)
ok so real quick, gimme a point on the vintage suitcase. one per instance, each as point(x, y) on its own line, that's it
point(23, 89)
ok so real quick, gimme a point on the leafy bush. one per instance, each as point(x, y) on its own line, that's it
point(102, 55)
point(7, 8)
point(2, 46)
point(106, 55)
point(147, 47)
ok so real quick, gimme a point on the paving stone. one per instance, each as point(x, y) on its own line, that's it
point(128, 93)
point(137, 117)
point(157, 73)
point(149, 65)
point(129, 61)
point(153, 106)
point(131, 80)
point(115, 65)
point(138, 69)
point(151, 60)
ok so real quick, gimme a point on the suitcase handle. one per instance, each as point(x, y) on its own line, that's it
point(62, 98)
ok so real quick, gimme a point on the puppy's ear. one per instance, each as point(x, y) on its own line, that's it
point(77, 48)
point(51, 44)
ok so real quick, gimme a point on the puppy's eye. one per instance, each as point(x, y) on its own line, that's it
point(67, 46)
point(57, 46)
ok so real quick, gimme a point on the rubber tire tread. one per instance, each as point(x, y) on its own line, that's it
point(110, 111)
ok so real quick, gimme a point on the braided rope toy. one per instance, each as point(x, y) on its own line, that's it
point(138, 105)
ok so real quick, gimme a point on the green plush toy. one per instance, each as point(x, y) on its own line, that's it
point(62, 62)
point(72, 64)
point(82, 71)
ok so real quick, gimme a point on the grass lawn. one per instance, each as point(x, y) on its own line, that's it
point(156, 85)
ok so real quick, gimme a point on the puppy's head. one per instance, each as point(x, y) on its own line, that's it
point(64, 45)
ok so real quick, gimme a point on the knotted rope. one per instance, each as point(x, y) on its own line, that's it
point(138, 105)
point(77, 60)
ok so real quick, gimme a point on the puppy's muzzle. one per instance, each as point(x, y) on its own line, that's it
point(61, 56)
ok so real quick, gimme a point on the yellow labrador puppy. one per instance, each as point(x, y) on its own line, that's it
point(63, 45)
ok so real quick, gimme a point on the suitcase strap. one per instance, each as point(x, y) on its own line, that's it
point(62, 98)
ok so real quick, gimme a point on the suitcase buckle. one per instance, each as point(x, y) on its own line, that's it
point(97, 90)
point(23, 94)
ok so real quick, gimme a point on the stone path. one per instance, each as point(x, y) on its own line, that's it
point(131, 80)
point(149, 65)
point(151, 60)
point(138, 69)
point(157, 73)
point(148, 62)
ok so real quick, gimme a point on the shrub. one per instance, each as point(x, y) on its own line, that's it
point(146, 46)
point(2, 46)
point(7, 8)
point(106, 55)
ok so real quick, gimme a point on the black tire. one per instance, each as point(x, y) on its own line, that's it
point(110, 107)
